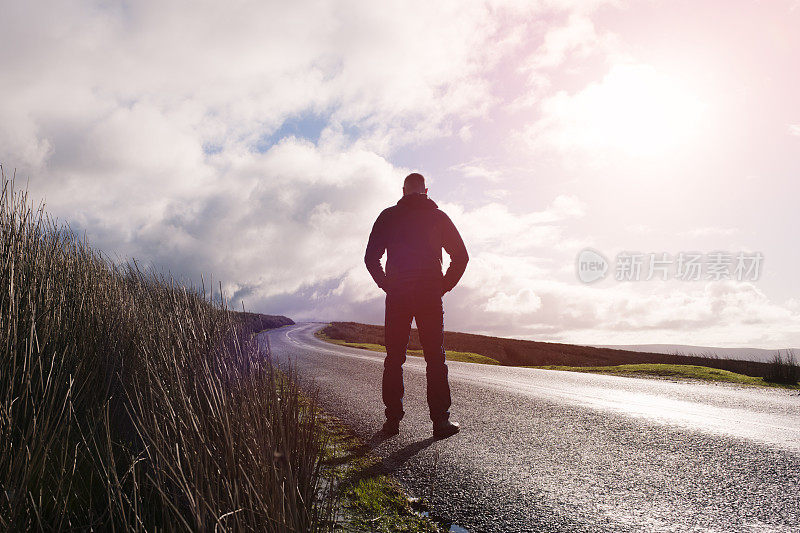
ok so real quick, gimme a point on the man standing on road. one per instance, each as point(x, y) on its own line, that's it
point(413, 233)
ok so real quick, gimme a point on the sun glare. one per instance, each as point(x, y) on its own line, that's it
point(638, 110)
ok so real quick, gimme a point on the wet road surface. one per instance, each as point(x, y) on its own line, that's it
point(543, 450)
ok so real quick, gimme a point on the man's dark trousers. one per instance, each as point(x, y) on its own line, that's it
point(422, 301)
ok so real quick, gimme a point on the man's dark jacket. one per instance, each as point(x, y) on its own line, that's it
point(413, 233)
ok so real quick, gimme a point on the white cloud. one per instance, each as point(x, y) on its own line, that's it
point(575, 38)
point(633, 110)
point(493, 227)
point(574, 42)
point(523, 302)
point(475, 169)
point(794, 129)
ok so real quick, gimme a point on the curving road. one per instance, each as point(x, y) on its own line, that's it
point(543, 450)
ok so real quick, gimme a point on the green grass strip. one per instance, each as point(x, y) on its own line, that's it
point(693, 372)
point(368, 500)
point(464, 357)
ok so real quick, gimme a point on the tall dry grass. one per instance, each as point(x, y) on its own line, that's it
point(783, 368)
point(130, 402)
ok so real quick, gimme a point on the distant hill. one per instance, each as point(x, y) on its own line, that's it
point(260, 322)
point(516, 352)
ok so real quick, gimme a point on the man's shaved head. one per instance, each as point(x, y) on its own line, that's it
point(414, 183)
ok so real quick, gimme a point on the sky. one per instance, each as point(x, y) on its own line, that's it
point(256, 143)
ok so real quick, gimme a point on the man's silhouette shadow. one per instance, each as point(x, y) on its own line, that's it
point(385, 466)
point(359, 451)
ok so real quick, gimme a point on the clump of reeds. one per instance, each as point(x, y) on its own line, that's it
point(783, 369)
point(130, 402)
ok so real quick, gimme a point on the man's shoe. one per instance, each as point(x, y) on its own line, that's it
point(391, 427)
point(445, 429)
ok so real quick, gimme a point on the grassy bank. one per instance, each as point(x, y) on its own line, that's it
point(130, 402)
point(466, 357)
point(368, 498)
point(691, 372)
point(782, 372)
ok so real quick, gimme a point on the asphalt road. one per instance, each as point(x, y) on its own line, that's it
point(543, 450)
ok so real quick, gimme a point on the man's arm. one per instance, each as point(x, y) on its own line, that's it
point(454, 246)
point(375, 248)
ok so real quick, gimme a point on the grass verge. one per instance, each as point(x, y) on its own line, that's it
point(367, 499)
point(689, 372)
point(450, 355)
